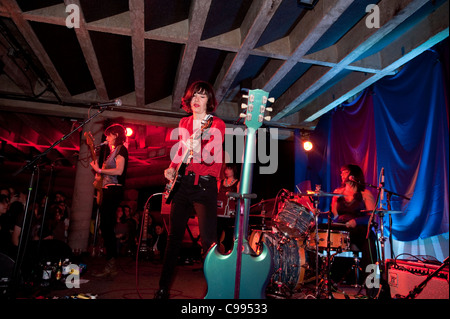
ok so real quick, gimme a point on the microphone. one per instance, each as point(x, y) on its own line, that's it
point(382, 187)
point(352, 178)
point(117, 102)
point(101, 144)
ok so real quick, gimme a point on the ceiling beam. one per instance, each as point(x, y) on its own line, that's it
point(27, 31)
point(254, 24)
point(424, 35)
point(304, 36)
point(137, 16)
point(350, 47)
point(197, 18)
point(88, 50)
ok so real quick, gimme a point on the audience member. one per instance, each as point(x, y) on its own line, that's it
point(158, 242)
point(5, 234)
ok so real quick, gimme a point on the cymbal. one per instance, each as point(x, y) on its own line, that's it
point(382, 211)
point(318, 194)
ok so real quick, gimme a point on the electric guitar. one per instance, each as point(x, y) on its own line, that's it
point(172, 187)
point(98, 181)
point(242, 274)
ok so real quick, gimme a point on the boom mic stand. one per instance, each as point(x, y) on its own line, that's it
point(380, 189)
point(33, 165)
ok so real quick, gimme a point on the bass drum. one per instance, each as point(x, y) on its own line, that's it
point(291, 265)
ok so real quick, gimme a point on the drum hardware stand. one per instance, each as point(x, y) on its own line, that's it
point(263, 215)
point(281, 291)
point(381, 212)
point(316, 217)
point(356, 270)
point(326, 281)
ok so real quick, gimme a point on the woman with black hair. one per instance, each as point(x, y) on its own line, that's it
point(351, 210)
point(198, 187)
point(113, 173)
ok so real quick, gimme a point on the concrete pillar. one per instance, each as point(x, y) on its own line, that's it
point(83, 195)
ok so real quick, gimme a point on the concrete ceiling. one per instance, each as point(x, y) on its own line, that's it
point(146, 53)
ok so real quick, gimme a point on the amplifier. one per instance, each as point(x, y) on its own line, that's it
point(405, 275)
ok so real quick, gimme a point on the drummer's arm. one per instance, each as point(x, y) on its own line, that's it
point(334, 203)
point(369, 200)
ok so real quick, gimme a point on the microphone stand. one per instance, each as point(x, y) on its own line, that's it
point(382, 239)
point(33, 165)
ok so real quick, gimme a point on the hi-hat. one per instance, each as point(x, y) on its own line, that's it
point(318, 194)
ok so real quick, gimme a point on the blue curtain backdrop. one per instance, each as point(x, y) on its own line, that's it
point(412, 146)
point(400, 124)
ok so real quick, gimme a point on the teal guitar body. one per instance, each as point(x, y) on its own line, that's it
point(242, 274)
point(255, 274)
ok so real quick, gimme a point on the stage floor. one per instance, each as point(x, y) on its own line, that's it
point(139, 280)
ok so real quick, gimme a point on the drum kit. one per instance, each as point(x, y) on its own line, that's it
point(295, 241)
point(302, 250)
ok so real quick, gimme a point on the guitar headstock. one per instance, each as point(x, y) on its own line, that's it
point(206, 124)
point(256, 107)
point(89, 138)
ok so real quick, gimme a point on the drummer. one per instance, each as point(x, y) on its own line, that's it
point(348, 210)
point(226, 206)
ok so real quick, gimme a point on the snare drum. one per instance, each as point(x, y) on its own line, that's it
point(290, 260)
point(339, 240)
point(294, 220)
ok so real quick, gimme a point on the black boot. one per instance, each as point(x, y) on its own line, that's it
point(110, 270)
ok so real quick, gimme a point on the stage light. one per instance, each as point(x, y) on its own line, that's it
point(305, 140)
point(129, 131)
point(307, 145)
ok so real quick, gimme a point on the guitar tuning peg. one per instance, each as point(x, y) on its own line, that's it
point(267, 118)
point(245, 96)
point(244, 106)
point(269, 109)
point(242, 115)
point(271, 99)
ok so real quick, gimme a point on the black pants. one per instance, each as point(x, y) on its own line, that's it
point(203, 199)
point(366, 246)
point(112, 196)
point(226, 225)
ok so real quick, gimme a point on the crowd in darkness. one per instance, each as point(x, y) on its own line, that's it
point(50, 220)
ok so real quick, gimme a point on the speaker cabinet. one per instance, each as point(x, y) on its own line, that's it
point(405, 275)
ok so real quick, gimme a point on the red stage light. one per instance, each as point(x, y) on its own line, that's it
point(129, 131)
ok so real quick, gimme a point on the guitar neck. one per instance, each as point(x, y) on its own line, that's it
point(145, 225)
point(246, 182)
